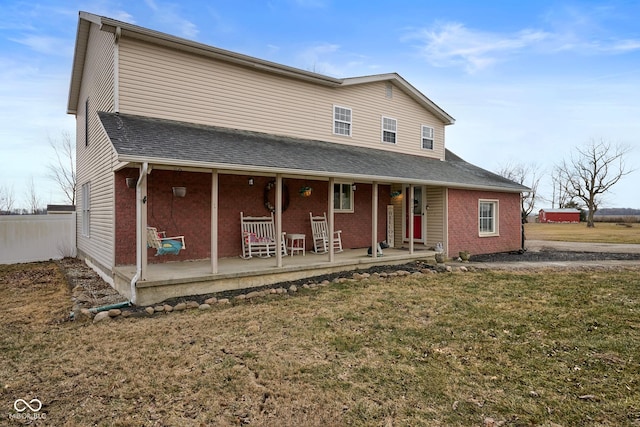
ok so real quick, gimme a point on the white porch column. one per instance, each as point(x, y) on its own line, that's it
point(279, 220)
point(330, 219)
point(374, 219)
point(410, 215)
point(141, 210)
point(214, 221)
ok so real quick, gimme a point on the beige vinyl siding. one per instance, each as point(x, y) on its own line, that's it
point(435, 216)
point(160, 82)
point(94, 162)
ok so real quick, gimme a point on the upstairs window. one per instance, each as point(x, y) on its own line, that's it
point(341, 120)
point(343, 197)
point(488, 217)
point(427, 138)
point(389, 130)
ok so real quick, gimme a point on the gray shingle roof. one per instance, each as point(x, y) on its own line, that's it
point(137, 138)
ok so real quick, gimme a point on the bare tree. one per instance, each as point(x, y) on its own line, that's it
point(528, 175)
point(559, 195)
point(7, 199)
point(63, 169)
point(33, 200)
point(592, 170)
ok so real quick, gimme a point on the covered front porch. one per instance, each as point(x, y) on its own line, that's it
point(176, 279)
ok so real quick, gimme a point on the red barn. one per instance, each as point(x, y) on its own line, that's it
point(559, 215)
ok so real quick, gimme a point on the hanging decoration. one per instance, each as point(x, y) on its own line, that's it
point(179, 191)
point(269, 199)
point(305, 191)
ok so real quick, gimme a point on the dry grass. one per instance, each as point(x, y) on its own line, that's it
point(601, 233)
point(449, 349)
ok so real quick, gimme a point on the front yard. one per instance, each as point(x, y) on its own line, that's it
point(535, 348)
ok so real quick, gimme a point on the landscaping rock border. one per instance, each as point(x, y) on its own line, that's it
point(90, 291)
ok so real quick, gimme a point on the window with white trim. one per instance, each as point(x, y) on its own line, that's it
point(86, 209)
point(342, 197)
point(341, 120)
point(427, 137)
point(389, 130)
point(488, 217)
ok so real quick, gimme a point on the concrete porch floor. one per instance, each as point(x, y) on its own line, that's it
point(178, 279)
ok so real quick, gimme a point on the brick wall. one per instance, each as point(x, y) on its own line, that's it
point(463, 222)
point(190, 216)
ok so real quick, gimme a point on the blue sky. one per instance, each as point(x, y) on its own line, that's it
point(526, 81)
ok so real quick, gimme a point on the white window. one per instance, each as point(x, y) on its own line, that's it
point(427, 138)
point(341, 120)
point(488, 217)
point(86, 208)
point(389, 130)
point(343, 197)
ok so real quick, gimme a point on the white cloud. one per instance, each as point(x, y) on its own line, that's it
point(168, 15)
point(624, 46)
point(312, 59)
point(453, 44)
point(121, 15)
point(45, 44)
point(329, 59)
point(584, 32)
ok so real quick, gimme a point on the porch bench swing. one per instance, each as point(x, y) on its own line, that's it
point(164, 245)
point(259, 236)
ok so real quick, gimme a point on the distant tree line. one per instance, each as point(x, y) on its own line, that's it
point(618, 212)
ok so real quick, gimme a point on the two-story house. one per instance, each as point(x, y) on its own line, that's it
point(244, 135)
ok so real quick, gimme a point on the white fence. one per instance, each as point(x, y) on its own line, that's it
point(29, 238)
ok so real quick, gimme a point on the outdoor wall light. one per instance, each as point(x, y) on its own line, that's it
point(353, 187)
point(250, 182)
point(396, 195)
point(131, 182)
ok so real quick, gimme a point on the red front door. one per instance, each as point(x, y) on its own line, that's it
point(413, 210)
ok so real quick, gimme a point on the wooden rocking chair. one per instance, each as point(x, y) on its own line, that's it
point(320, 232)
point(164, 245)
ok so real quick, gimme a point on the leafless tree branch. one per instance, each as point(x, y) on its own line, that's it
point(62, 170)
point(591, 172)
point(33, 201)
point(7, 199)
point(528, 175)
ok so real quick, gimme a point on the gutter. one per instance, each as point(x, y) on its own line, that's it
point(268, 170)
point(139, 233)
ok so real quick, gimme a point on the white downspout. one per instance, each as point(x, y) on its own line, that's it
point(139, 231)
point(116, 70)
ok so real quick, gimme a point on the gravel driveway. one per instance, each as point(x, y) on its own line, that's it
point(539, 251)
